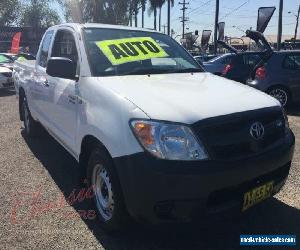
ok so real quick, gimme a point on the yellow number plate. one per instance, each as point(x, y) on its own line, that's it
point(257, 195)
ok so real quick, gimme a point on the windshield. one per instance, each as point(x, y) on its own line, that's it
point(5, 59)
point(124, 52)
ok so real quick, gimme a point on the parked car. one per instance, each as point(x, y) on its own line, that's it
point(5, 78)
point(157, 138)
point(204, 58)
point(218, 64)
point(279, 76)
point(13, 57)
point(236, 65)
point(26, 56)
point(275, 72)
point(6, 61)
point(241, 65)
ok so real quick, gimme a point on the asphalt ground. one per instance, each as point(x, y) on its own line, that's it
point(38, 177)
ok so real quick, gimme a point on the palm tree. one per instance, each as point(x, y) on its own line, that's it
point(160, 4)
point(135, 9)
point(157, 4)
point(143, 2)
point(153, 7)
point(170, 4)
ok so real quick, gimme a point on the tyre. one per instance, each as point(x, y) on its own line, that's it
point(31, 127)
point(107, 194)
point(281, 94)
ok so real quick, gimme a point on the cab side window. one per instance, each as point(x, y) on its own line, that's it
point(43, 58)
point(65, 46)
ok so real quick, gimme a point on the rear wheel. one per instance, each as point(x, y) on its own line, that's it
point(281, 94)
point(107, 197)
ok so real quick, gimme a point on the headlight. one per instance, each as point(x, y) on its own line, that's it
point(168, 141)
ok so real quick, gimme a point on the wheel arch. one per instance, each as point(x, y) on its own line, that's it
point(280, 86)
point(88, 143)
point(289, 92)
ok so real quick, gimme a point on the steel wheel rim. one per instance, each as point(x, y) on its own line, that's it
point(103, 192)
point(26, 118)
point(280, 95)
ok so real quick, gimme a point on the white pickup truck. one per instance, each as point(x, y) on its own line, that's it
point(158, 138)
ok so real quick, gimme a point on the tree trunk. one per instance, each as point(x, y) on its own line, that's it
point(95, 13)
point(130, 14)
point(155, 14)
point(135, 16)
point(169, 17)
point(143, 17)
point(159, 19)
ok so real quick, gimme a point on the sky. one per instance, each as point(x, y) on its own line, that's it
point(240, 13)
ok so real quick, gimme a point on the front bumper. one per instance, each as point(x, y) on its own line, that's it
point(157, 190)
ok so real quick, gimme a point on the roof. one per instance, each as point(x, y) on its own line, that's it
point(77, 26)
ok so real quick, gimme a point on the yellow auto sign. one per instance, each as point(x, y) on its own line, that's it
point(126, 50)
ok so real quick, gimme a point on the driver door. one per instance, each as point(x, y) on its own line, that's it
point(63, 102)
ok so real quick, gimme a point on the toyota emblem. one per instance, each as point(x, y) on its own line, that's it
point(257, 130)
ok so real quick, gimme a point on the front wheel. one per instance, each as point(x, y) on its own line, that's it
point(107, 198)
point(281, 94)
point(30, 125)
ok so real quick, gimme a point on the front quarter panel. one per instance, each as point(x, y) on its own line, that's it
point(105, 115)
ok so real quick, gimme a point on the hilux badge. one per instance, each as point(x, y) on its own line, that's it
point(257, 130)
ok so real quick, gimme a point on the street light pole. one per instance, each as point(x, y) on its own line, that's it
point(279, 35)
point(216, 27)
point(169, 17)
point(296, 28)
point(184, 19)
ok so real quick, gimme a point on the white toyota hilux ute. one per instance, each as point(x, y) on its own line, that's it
point(158, 139)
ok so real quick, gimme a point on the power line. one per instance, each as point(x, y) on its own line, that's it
point(202, 5)
point(229, 13)
point(234, 10)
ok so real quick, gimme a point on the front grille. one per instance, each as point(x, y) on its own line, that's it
point(228, 136)
point(7, 74)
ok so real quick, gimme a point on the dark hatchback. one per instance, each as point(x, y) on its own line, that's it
point(241, 65)
point(279, 76)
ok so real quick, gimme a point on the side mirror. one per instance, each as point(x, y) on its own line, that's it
point(61, 67)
